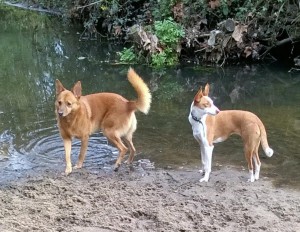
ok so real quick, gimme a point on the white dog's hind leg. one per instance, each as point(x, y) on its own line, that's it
point(251, 179)
point(257, 168)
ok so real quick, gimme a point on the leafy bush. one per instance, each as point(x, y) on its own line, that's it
point(169, 34)
point(168, 31)
point(128, 55)
point(162, 9)
point(164, 53)
point(167, 57)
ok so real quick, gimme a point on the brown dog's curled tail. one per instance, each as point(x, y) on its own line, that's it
point(143, 101)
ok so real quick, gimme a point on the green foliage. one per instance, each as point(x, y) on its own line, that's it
point(166, 58)
point(168, 31)
point(26, 20)
point(128, 55)
point(169, 34)
point(236, 9)
point(158, 59)
point(162, 9)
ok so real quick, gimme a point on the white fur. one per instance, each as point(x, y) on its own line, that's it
point(219, 140)
point(199, 133)
point(269, 152)
point(257, 168)
point(251, 176)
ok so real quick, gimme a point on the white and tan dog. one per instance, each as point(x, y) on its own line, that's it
point(210, 125)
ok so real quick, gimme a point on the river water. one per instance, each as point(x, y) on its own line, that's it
point(37, 49)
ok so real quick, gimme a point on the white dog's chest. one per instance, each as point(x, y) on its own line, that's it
point(199, 129)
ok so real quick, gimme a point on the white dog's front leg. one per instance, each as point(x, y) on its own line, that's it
point(203, 159)
point(198, 136)
point(207, 154)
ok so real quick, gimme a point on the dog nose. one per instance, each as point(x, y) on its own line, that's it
point(60, 114)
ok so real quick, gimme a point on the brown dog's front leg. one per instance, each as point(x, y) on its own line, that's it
point(84, 144)
point(68, 145)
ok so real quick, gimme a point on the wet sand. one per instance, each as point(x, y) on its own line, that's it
point(147, 200)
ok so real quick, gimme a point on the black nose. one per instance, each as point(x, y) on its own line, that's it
point(60, 113)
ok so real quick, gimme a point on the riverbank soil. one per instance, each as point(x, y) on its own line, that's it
point(147, 200)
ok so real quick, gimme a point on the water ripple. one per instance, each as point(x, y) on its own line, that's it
point(42, 148)
point(6, 144)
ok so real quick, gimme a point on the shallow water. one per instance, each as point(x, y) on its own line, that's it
point(40, 49)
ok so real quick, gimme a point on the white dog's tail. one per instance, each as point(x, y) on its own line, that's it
point(264, 141)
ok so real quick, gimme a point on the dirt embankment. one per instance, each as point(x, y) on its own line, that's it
point(147, 200)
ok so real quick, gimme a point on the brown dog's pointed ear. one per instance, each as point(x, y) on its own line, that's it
point(59, 87)
point(77, 89)
point(206, 90)
point(198, 95)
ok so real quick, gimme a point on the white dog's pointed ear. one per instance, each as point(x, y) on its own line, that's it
point(77, 89)
point(206, 90)
point(198, 95)
point(59, 87)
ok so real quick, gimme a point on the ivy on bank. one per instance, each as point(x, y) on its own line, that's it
point(169, 31)
point(214, 31)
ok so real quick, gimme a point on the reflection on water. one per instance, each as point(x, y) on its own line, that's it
point(34, 56)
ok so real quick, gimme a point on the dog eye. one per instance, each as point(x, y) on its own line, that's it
point(59, 102)
point(69, 103)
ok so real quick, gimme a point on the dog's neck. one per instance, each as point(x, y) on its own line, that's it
point(197, 113)
point(198, 121)
point(195, 118)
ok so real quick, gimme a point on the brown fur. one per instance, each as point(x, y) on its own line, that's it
point(243, 123)
point(80, 116)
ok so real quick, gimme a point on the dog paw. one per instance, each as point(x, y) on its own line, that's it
point(202, 172)
point(116, 168)
point(77, 166)
point(128, 161)
point(68, 170)
point(204, 179)
point(251, 180)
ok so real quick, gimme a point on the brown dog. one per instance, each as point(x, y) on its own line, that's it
point(80, 116)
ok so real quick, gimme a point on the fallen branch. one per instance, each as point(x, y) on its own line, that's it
point(93, 3)
point(280, 43)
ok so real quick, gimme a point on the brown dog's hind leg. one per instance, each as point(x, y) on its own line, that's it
point(116, 140)
point(128, 140)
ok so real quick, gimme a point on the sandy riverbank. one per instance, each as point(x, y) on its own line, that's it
point(147, 200)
